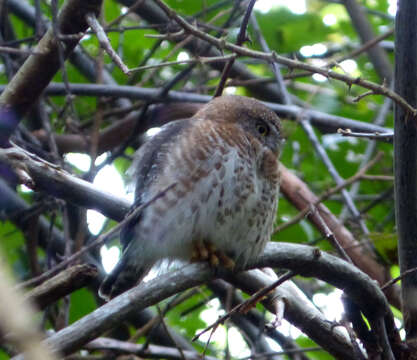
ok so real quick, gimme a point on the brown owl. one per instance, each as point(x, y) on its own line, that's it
point(224, 163)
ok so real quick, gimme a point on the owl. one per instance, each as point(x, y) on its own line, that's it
point(222, 166)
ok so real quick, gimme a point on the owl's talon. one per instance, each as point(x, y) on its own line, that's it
point(214, 260)
point(226, 261)
point(203, 251)
point(199, 252)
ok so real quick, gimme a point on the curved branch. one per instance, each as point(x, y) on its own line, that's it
point(291, 64)
point(299, 310)
point(303, 259)
point(324, 121)
point(57, 182)
point(47, 177)
point(299, 194)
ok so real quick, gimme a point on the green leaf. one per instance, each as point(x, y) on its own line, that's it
point(190, 323)
point(82, 303)
point(319, 355)
point(286, 32)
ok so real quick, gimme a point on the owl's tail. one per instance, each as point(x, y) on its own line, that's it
point(123, 277)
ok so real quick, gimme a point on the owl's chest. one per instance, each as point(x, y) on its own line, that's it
point(228, 199)
point(242, 211)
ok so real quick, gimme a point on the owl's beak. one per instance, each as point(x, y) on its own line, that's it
point(277, 147)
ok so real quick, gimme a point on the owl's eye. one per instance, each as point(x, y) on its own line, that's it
point(262, 129)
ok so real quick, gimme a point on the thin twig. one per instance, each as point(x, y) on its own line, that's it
point(398, 278)
point(374, 136)
point(247, 304)
point(199, 60)
point(61, 57)
point(366, 46)
point(154, 321)
point(286, 99)
point(330, 235)
point(132, 8)
point(241, 38)
point(378, 177)
point(98, 242)
point(161, 317)
point(330, 192)
point(321, 152)
point(379, 120)
point(12, 50)
point(102, 38)
point(268, 355)
point(291, 64)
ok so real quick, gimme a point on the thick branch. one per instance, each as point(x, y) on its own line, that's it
point(405, 157)
point(150, 351)
point(47, 177)
point(376, 54)
point(305, 260)
point(61, 285)
point(38, 70)
point(57, 182)
point(292, 64)
point(298, 309)
point(72, 142)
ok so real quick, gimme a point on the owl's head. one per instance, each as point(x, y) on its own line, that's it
point(253, 116)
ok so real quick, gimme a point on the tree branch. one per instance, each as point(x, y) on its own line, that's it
point(38, 70)
point(304, 260)
point(57, 182)
point(73, 142)
point(292, 64)
point(301, 196)
point(405, 161)
point(376, 54)
point(61, 285)
point(47, 177)
point(150, 351)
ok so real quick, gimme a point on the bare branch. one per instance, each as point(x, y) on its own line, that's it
point(375, 136)
point(292, 64)
point(61, 285)
point(302, 259)
point(38, 70)
point(329, 193)
point(42, 175)
point(241, 38)
point(105, 43)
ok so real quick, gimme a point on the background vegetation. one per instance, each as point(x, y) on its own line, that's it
point(321, 65)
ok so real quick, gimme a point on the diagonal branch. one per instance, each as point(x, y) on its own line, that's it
point(38, 70)
point(291, 64)
point(241, 38)
point(42, 175)
point(302, 259)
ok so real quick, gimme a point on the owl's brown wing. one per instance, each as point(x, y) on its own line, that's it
point(147, 166)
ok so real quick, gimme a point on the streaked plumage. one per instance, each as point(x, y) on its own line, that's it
point(224, 163)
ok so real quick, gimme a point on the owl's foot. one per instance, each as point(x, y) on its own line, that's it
point(206, 251)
